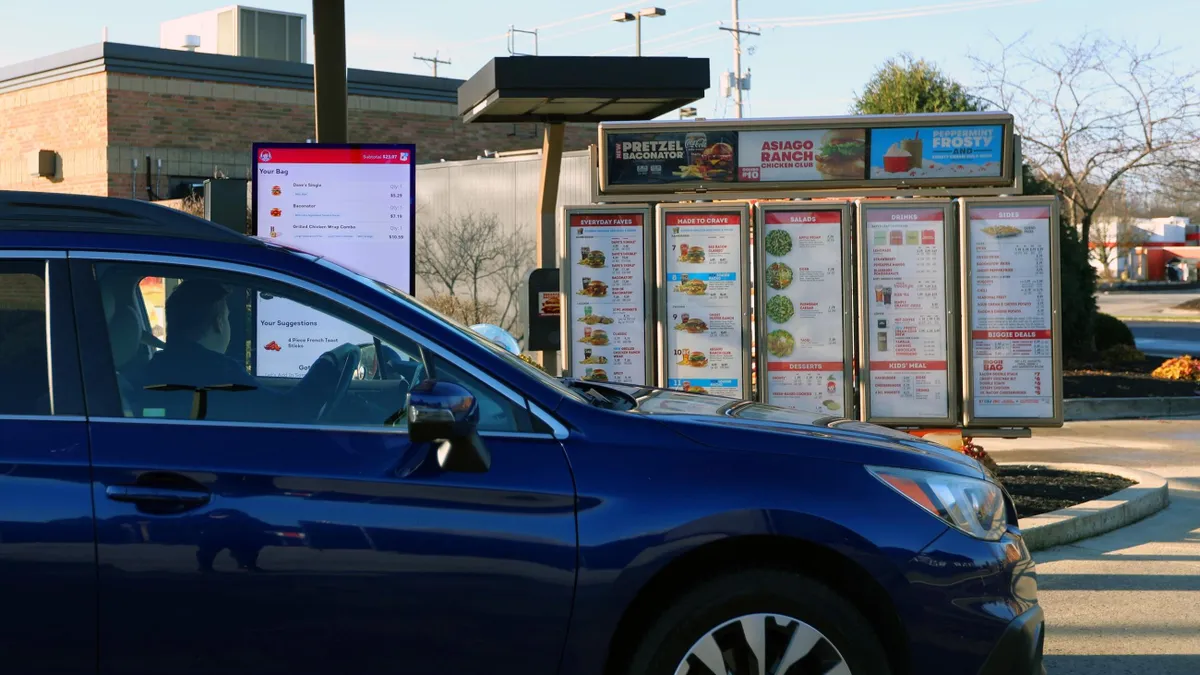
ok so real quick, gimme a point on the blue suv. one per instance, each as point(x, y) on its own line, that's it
point(377, 489)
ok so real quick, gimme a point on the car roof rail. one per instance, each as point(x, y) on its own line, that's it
point(58, 212)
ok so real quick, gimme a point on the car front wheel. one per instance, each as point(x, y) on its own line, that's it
point(760, 622)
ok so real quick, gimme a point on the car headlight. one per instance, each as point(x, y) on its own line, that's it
point(971, 505)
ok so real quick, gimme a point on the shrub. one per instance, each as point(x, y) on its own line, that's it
point(1112, 332)
point(1180, 368)
point(976, 452)
point(1121, 354)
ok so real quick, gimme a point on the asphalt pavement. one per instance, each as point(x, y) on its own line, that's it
point(1168, 331)
point(1127, 602)
point(1159, 338)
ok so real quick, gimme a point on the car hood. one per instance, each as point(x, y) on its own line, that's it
point(741, 425)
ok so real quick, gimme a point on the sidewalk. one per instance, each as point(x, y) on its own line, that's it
point(1127, 601)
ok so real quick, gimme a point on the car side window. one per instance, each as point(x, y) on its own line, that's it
point(191, 343)
point(24, 359)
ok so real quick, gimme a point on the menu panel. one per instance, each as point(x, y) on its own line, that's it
point(1011, 312)
point(905, 300)
point(352, 205)
point(937, 152)
point(605, 279)
point(704, 308)
point(786, 155)
point(671, 157)
point(803, 332)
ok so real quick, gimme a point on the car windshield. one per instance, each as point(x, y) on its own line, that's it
point(411, 302)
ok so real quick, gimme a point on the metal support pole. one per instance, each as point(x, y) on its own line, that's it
point(638, 52)
point(329, 71)
point(547, 247)
point(737, 61)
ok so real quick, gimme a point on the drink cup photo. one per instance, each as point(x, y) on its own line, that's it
point(584, 251)
point(878, 293)
point(915, 149)
point(897, 159)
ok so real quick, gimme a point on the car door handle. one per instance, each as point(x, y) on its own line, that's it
point(139, 493)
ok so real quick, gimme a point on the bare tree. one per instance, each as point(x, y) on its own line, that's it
point(1093, 111)
point(520, 251)
point(472, 253)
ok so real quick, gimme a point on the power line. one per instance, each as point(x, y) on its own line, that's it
point(434, 60)
point(888, 14)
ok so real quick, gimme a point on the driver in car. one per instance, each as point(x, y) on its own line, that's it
point(198, 334)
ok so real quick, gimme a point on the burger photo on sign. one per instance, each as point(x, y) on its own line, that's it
point(843, 154)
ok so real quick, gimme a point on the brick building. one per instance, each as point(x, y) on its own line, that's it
point(97, 108)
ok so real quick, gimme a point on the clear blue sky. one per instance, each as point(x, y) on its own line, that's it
point(811, 58)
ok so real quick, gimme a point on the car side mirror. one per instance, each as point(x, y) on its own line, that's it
point(447, 415)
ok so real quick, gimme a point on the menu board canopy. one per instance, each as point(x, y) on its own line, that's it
point(804, 319)
point(798, 154)
point(606, 305)
point(704, 298)
point(907, 312)
point(1011, 316)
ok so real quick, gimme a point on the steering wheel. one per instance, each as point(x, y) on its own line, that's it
point(331, 375)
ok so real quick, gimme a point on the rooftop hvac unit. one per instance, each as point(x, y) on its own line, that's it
point(240, 31)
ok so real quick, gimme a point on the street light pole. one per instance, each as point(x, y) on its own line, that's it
point(638, 31)
point(648, 12)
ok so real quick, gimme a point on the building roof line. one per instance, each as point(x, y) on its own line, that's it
point(155, 62)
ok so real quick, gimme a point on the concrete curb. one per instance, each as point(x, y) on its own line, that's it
point(1085, 409)
point(1148, 496)
point(1159, 318)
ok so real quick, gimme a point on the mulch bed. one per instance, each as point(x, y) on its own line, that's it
point(1190, 304)
point(1036, 489)
point(1131, 380)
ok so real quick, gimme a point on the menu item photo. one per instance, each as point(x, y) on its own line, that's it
point(591, 257)
point(692, 325)
point(780, 309)
point(691, 254)
point(778, 242)
point(781, 343)
point(843, 154)
point(779, 276)
point(593, 288)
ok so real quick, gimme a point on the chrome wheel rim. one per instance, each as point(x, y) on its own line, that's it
point(763, 644)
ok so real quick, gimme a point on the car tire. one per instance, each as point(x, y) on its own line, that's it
point(757, 592)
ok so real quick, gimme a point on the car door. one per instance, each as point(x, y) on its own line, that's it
point(250, 542)
point(47, 543)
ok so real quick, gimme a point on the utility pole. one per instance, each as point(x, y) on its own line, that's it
point(737, 32)
point(434, 60)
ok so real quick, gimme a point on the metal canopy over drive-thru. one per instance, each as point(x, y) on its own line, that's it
point(556, 90)
point(580, 88)
point(878, 267)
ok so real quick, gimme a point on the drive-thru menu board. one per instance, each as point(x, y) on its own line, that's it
point(605, 278)
point(351, 204)
point(804, 322)
point(704, 299)
point(1011, 310)
point(907, 303)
